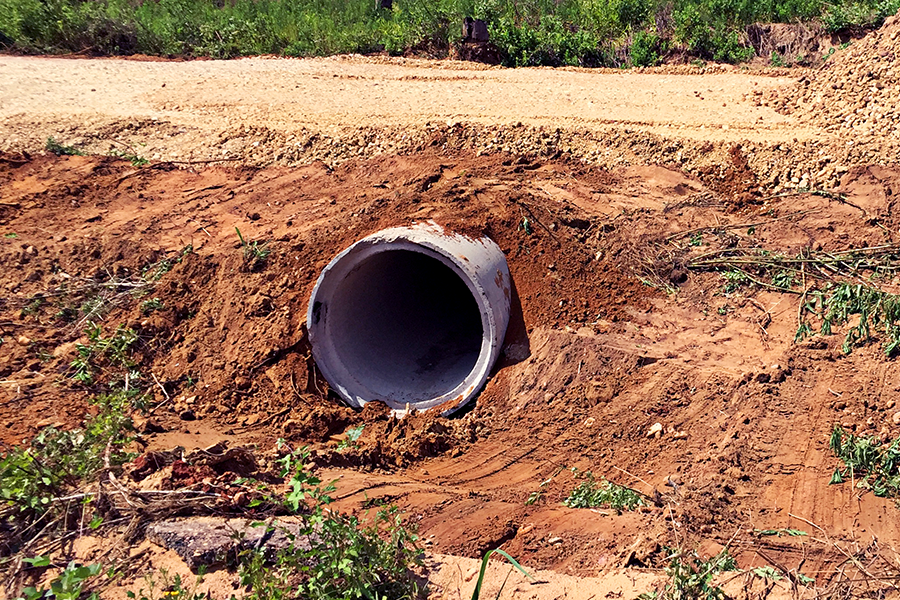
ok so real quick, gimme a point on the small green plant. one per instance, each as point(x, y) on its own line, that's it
point(148, 306)
point(10, 236)
point(353, 435)
point(783, 279)
point(734, 280)
point(876, 310)
point(58, 149)
point(114, 350)
point(780, 532)
point(33, 307)
point(70, 585)
point(255, 253)
point(130, 155)
point(691, 577)
point(696, 239)
point(874, 465)
point(335, 555)
point(776, 60)
point(169, 588)
point(525, 225)
point(592, 493)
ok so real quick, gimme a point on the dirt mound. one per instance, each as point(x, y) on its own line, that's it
point(857, 91)
point(699, 399)
point(229, 341)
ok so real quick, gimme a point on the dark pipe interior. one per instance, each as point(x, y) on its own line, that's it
point(406, 325)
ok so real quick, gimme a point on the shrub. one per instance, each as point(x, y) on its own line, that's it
point(645, 49)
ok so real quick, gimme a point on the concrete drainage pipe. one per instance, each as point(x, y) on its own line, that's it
point(412, 316)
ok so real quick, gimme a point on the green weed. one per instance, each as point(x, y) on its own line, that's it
point(691, 577)
point(734, 280)
point(255, 253)
point(58, 149)
point(876, 311)
point(526, 32)
point(36, 482)
point(33, 307)
point(148, 306)
point(336, 555)
point(592, 493)
point(169, 587)
point(873, 465)
point(353, 434)
point(780, 532)
point(100, 351)
point(646, 49)
point(69, 585)
point(130, 155)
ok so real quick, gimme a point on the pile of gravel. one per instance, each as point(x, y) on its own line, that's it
point(857, 91)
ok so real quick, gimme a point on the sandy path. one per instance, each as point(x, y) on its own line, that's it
point(339, 92)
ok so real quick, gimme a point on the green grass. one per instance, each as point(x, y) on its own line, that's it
point(527, 32)
point(255, 253)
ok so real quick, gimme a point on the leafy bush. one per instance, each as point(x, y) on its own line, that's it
point(527, 32)
point(645, 49)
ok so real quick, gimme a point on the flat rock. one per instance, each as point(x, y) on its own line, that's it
point(208, 541)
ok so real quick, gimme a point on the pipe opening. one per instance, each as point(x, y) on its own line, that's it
point(406, 324)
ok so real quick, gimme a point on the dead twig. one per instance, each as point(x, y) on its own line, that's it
point(739, 225)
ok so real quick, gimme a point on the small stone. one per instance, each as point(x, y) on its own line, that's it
point(555, 540)
point(24, 340)
point(187, 415)
point(896, 418)
point(655, 430)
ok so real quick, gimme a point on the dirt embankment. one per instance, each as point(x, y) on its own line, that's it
point(595, 357)
point(265, 111)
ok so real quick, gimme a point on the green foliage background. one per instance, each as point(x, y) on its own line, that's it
point(528, 32)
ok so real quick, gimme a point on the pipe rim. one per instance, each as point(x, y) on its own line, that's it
point(350, 388)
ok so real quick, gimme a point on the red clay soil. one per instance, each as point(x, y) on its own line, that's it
point(596, 354)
